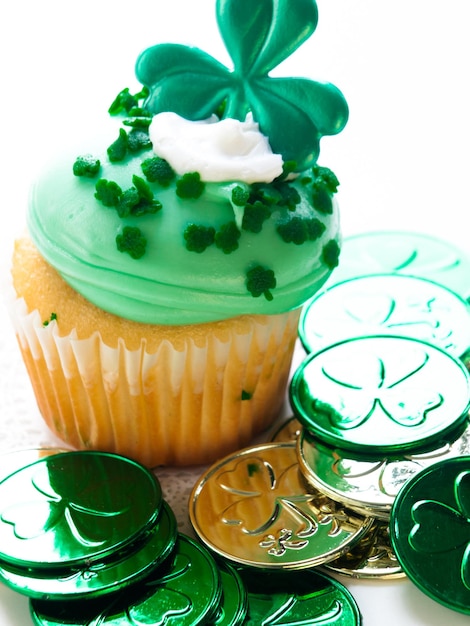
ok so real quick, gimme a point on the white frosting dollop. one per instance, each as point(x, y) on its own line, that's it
point(220, 150)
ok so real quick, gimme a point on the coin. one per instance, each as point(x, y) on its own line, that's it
point(368, 484)
point(405, 252)
point(74, 509)
point(429, 529)
point(381, 394)
point(372, 557)
point(307, 597)
point(254, 508)
point(387, 303)
point(186, 591)
point(92, 580)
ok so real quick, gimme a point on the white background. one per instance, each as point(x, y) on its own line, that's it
point(403, 159)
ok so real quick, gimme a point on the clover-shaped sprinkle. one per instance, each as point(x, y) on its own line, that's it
point(294, 113)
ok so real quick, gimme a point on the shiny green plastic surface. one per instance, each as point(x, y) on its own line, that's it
point(405, 252)
point(100, 578)
point(387, 303)
point(69, 509)
point(234, 606)
point(186, 592)
point(430, 532)
point(295, 598)
point(381, 394)
point(294, 113)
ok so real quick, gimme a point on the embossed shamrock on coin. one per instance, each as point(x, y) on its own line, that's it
point(430, 532)
point(75, 508)
point(253, 508)
point(402, 252)
point(387, 303)
point(381, 394)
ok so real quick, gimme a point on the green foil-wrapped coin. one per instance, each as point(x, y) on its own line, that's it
point(234, 605)
point(387, 303)
point(14, 460)
point(381, 394)
point(185, 591)
point(97, 579)
point(405, 252)
point(75, 509)
point(430, 532)
point(295, 598)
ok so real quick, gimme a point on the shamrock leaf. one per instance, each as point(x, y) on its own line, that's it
point(294, 113)
point(77, 508)
point(377, 385)
point(258, 489)
point(454, 524)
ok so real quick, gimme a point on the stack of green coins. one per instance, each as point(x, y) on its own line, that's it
point(381, 405)
point(380, 413)
point(90, 539)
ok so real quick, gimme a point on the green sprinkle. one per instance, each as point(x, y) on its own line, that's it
point(287, 168)
point(132, 241)
point(315, 229)
point(143, 188)
point(226, 238)
point(260, 281)
point(52, 317)
point(108, 192)
point(324, 177)
point(240, 195)
point(290, 197)
point(254, 216)
point(118, 149)
point(87, 166)
point(137, 122)
point(127, 202)
point(267, 194)
point(252, 469)
point(139, 112)
point(330, 254)
point(190, 185)
point(246, 395)
point(299, 230)
point(125, 101)
point(157, 170)
point(199, 237)
point(322, 200)
point(138, 200)
point(138, 140)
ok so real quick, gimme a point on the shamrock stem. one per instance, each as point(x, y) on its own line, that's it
point(237, 102)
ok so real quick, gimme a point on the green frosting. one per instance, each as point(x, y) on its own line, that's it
point(171, 283)
point(146, 244)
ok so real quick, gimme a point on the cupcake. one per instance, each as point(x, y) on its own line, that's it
point(158, 287)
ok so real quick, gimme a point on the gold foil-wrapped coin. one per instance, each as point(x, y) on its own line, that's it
point(254, 508)
point(288, 431)
point(371, 557)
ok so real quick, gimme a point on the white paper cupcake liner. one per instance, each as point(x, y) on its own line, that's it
point(175, 406)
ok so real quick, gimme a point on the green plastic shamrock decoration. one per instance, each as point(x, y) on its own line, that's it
point(294, 113)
